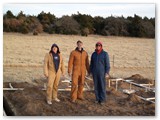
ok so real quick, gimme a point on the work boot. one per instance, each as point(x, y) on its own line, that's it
point(96, 101)
point(81, 98)
point(73, 101)
point(49, 102)
point(102, 103)
point(57, 100)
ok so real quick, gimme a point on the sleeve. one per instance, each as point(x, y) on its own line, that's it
point(107, 63)
point(62, 66)
point(91, 64)
point(87, 64)
point(70, 63)
point(45, 67)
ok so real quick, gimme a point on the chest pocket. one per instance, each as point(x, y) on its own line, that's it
point(101, 59)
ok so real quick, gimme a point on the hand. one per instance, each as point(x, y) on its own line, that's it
point(87, 75)
point(46, 75)
point(91, 75)
point(106, 75)
point(69, 74)
point(63, 75)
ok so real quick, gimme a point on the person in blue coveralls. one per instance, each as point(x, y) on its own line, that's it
point(99, 68)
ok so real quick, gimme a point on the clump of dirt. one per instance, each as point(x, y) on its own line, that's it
point(145, 94)
point(113, 91)
point(140, 79)
point(134, 98)
point(136, 77)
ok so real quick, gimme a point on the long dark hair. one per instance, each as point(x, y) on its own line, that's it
point(55, 45)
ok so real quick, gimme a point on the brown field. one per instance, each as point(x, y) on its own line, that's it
point(23, 60)
point(132, 55)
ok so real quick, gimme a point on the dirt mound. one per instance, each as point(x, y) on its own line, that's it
point(145, 94)
point(136, 77)
point(134, 98)
point(140, 79)
point(112, 91)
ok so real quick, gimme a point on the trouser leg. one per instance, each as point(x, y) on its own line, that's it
point(55, 85)
point(102, 87)
point(96, 84)
point(74, 87)
point(51, 79)
point(80, 86)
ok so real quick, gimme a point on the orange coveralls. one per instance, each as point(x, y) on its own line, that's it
point(77, 65)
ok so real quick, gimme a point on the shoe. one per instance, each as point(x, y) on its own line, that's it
point(57, 100)
point(102, 103)
point(81, 99)
point(96, 101)
point(73, 101)
point(49, 102)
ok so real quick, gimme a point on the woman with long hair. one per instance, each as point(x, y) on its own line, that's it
point(53, 67)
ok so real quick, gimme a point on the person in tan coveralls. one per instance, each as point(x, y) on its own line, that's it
point(53, 66)
point(77, 66)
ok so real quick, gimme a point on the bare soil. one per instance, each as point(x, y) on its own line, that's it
point(32, 101)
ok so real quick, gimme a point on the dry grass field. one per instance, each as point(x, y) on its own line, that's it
point(23, 54)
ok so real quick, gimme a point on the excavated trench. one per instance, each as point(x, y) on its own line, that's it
point(32, 102)
point(7, 108)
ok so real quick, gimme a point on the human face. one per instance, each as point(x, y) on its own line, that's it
point(79, 45)
point(54, 49)
point(98, 46)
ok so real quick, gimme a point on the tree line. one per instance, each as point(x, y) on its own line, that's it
point(79, 24)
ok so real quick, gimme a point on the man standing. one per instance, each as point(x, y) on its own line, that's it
point(100, 68)
point(77, 66)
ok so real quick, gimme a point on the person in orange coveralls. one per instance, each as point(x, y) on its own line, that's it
point(77, 66)
point(53, 66)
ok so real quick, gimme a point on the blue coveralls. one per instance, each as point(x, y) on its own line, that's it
point(99, 67)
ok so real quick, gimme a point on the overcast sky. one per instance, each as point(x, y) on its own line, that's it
point(94, 9)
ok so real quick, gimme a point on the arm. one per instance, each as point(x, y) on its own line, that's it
point(70, 63)
point(45, 67)
point(107, 63)
point(62, 67)
point(87, 64)
point(91, 64)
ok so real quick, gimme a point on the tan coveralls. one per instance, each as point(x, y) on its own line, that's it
point(53, 77)
point(77, 65)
